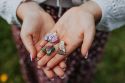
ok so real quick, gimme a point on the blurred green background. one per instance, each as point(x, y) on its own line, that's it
point(110, 70)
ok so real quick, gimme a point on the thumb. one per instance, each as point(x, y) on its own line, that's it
point(87, 42)
point(28, 42)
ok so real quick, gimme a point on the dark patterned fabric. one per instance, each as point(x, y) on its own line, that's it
point(79, 70)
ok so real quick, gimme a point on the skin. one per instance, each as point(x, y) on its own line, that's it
point(76, 28)
point(35, 24)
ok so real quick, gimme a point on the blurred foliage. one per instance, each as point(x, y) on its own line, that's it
point(110, 70)
point(9, 64)
point(112, 67)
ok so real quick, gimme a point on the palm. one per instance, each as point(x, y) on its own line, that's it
point(74, 28)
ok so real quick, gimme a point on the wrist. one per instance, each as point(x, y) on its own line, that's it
point(92, 8)
point(28, 9)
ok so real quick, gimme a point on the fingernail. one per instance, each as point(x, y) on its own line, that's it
point(62, 77)
point(86, 55)
point(64, 69)
point(31, 58)
point(52, 79)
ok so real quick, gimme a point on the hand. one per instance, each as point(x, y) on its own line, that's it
point(75, 27)
point(35, 24)
point(56, 71)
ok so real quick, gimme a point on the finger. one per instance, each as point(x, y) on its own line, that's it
point(43, 43)
point(49, 73)
point(40, 44)
point(87, 42)
point(28, 42)
point(54, 61)
point(39, 49)
point(62, 65)
point(47, 57)
point(43, 61)
point(59, 72)
point(58, 58)
point(40, 55)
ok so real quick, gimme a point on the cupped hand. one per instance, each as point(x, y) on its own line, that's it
point(35, 24)
point(76, 28)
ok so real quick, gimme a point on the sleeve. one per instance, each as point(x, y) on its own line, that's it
point(113, 14)
point(8, 10)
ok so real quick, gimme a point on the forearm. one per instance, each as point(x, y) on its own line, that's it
point(113, 14)
point(93, 8)
point(109, 14)
point(8, 10)
point(28, 9)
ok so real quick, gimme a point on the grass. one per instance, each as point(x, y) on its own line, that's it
point(110, 70)
point(8, 56)
point(112, 67)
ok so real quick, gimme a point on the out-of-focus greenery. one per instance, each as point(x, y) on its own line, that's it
point(110, 70)
point(9, 64)
point(112, 67)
